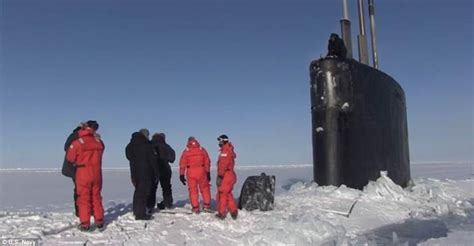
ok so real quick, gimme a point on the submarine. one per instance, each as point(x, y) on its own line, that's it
point(358, 114)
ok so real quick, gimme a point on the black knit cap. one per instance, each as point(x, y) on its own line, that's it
point(223, 138)
point(93, 124)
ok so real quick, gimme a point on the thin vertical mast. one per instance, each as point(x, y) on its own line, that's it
point(363, 57)
point(345, 9)
point(375, 58)
point(346, 29)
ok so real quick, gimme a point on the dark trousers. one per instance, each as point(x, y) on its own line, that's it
point(140, 197)
point(165, 181)
point(151, 200)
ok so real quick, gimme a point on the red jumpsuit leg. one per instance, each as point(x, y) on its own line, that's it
point(226, 198)
point(222, 204)
point(231, 205)
point(205, 191)
point(193, 193)
point(97, 207)
point(84, 189)
point(217, 199)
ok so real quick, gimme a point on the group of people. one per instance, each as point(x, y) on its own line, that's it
point(194, 171)
point(149, 166)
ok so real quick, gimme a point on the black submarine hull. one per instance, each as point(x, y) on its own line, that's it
point(359, 124)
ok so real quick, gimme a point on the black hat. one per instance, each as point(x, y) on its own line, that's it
point(93, 124)
point(223, 138)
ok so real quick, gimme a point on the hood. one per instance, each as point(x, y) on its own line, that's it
point(193, 143)
point(86, 132)
point(157, 138)
point(138, 137)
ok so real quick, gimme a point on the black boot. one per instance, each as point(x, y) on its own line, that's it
point(220, 216)
point(161, 205)
point(143, 217)
point(84, 228)
point(101, 227)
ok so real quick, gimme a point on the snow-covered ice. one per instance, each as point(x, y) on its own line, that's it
point(437, 209)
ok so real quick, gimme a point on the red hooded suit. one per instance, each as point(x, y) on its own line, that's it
point(225, 170)
point(87, 152)
point(196, 163)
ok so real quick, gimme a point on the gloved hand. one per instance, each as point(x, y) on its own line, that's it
point(208, 177)
point(182, 179)
point(219, 181)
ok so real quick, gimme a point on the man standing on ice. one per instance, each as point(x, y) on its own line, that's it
point(166, 155)
point(226, 179)
point(86, 154)
point(144, 172)
point(195, 162)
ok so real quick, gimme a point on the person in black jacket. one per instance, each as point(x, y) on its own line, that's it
point(166, 155)
point(336, 47)
point(69, 169)
point(143, 171)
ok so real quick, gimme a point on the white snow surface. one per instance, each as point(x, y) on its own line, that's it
point(435, 210)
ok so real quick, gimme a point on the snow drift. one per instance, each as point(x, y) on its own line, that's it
point(305, 214)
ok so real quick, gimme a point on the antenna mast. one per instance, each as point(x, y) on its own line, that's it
point(375, 58)
point(346, 29)
point(363, 56)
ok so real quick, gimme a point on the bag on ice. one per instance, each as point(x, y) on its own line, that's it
point(258, 192)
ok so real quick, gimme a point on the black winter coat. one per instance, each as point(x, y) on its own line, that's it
point(164, 150)
point(166, 154)
point(68, 169)
point(142, 159)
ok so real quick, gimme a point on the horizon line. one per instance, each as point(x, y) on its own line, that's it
point(240, 167)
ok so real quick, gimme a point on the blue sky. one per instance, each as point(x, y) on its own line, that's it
point(204, 68)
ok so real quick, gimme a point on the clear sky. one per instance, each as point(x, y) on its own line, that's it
point(204, 68)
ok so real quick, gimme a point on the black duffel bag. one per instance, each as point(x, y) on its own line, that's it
point(258, 192)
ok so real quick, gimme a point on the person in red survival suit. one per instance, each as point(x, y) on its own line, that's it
point(86, 152)
point(69, 169)
point(196, 163)
point(226, 179)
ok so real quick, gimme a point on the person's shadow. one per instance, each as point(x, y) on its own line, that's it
point(115, 211)
point(182, 203)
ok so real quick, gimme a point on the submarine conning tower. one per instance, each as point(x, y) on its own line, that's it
point(359, 124)
point(359, 120)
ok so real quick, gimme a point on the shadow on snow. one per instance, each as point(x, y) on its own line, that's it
point(414, 231)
